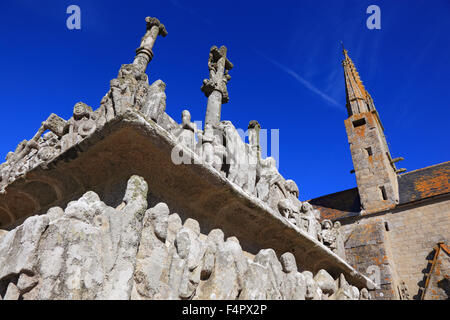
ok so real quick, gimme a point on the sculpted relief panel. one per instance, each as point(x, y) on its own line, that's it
point(92, 251)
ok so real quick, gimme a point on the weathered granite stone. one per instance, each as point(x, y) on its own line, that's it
point(325, 282)
point(294, 283)
point(173, 226)
point(155, 104)
point(364, 294)
point(256, 284)
point(313, 291)
point(55, 213)
point(186, 131)
point(268, 259)
point(26, 283)
point(19, 246)
point(150, 280)
point(3, 233)
point(93, 251)
point(223, 282)
point(12, 293)
point(345, 290)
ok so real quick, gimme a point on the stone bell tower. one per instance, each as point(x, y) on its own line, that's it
point(376, 174)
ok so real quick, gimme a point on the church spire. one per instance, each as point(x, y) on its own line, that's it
point(358, 99)
point(376, 174)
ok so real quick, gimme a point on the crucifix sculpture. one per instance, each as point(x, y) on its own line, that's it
point(215, 89)
point(144, 53)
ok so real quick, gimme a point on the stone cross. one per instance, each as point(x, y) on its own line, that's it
point(215, 88)
point(144, 53)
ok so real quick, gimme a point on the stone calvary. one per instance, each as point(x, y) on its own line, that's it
point(123, 202)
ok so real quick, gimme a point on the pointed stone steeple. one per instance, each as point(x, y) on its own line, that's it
point(358, 99)
point(376, 174)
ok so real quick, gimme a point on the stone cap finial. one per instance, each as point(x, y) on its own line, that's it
point(254, 124)
point(219, 53)
point(155, 22)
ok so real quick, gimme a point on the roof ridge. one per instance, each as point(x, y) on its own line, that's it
point(434, 165)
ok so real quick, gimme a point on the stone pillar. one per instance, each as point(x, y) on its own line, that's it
point(253, 135)
point(213, 108)
point(215, 89)
point(144, 53)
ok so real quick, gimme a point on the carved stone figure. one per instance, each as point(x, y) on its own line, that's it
point(81, 125)
point(285, 208)
point(345, 290)
point(331, 237)
point(240, 158)
point(294, 283)
point(364, 294)
point(308, 221)
point(155, 105)
point(25, 156)
point(253, 135)
point(186, 131)
point(210, 147)
point(270, 184)
point(292, 194)
point(340, 245)
point(50, 147)
point(327, 236)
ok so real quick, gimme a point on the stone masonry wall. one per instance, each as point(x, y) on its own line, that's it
point(366, 250)
point(414, 233)
point(400, 242)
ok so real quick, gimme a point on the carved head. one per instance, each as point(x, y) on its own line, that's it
point(306, 207)
point(292, 188)
point(269, 162)
point(254, 125)
point(9, 156)
point(51, 139)
point(185, 117)
point(327, 224)
point(364, 294)
point(129, 70)
point(288, 262)
point(337, 225)
point(125, 70)
point(285, 208)
point(311, 285)
point(182, 244)
point(81, 110)
point(159, 216)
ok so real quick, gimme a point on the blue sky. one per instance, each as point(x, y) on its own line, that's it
point(287, 74)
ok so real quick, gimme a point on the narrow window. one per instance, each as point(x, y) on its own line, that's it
point(386, 226)
point(360, 122)
point(383, 192)
point(369, 151)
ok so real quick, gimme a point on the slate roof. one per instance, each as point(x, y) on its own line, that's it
point(424, 183)
point(413, 186)
point(339, 204)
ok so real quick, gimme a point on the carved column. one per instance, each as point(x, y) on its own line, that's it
point(215, 89)
point(144, 53)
